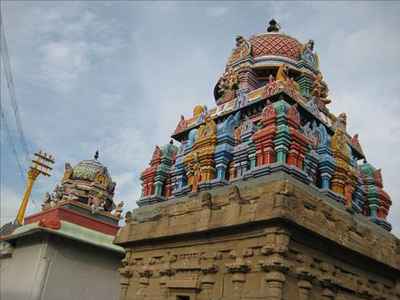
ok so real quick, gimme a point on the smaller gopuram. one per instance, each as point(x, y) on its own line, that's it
point(65, 251)
point(266, 195)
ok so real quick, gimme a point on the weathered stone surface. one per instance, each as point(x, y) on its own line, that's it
point(272, 237)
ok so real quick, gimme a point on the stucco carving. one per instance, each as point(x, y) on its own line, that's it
point(218, 249)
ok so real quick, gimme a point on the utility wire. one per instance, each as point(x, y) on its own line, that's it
point(11, 89)
point(14, 150)
point(13, 147)
point(14, 104)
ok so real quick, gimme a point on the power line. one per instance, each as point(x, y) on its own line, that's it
point(13, 147)
point(14, 150)
point(11, 89)
point(14, 104)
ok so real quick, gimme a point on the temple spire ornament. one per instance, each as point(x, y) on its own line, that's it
point(41, 165)
point(273, 26)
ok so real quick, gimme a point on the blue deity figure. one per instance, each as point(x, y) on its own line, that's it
point(308, 54)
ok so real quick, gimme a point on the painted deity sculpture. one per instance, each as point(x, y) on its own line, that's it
point(320, 92)
point(242, 50)
point(344, 178)
point(225, 143)
point(228, 85)
point(200, 165)
point(308, 54)
point(283, 75)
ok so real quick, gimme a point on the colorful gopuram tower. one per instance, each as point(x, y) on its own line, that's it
point(267, 195)
point(66, 250)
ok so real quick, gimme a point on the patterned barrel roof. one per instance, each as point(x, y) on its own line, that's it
point(276, 45)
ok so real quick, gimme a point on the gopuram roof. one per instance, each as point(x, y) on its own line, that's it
point(84, 199)
point(88, 183)
point(271, 115)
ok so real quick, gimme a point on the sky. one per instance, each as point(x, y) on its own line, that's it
point(117, 76)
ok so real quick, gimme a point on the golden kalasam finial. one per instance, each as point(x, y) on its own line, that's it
point(41, 164)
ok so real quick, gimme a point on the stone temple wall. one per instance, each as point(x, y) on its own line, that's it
point(269, 238)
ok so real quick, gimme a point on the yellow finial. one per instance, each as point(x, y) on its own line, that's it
point(40, 165)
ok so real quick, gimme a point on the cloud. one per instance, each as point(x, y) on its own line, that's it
point(66, 43)
point(63, 63)
point(217, 11)
point(128, 189)
point(126, 145)
point(364, 50)
point(117, 77)
point(9, 205)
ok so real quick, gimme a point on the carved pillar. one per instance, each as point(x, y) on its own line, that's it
point(275, 281)
point(275, 264)
point(232, 170)
point(158, 185)
point(148, 175)
point(326, 161)
point(305, 82)
point(397, 289)
point(240, 160)
point(223, 154)
point(263, 138)
point(251, 150)
point(305, 287)
point(178, 173)
point(238, 269)
point(311, 165)
point(208, 269)
point(145, 273)
point(282, 136)
point(327, 280)
point(363, 288)
point(126, 273)
point(299, 142)
point(328, 294)
point(358, 195)
point(305, 275)
point(147, 178)
point(166, 271)
point(124, 282)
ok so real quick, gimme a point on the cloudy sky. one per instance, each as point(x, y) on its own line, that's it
point(116, 77)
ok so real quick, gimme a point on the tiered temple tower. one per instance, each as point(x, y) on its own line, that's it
point(267, 196)
point(65, 251)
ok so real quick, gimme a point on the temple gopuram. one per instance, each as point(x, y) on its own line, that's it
point(66, 250)
point(266, 195)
